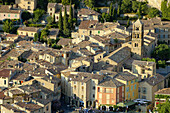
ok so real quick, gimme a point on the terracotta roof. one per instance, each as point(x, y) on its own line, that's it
point(64, 41)
point(28, 106)
point(154, 80)
point(52, 5)
point(120, 54)
point(126, 76)
point(32, 29)
point(142, 63)
point(84, 11)
point(6, 9)
point(110, 82)
point(12, 108)
point(5, 72)
point(86, 24)
point(165, 91)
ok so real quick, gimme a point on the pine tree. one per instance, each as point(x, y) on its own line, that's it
point(60, 23)
point(70, 20)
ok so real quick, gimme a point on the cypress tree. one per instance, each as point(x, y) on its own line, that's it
point(66, 26)
point(60, 23)
point(118, 11)
point(113, 13)
point(110, 10)
point(164, 9)
point(70, 20)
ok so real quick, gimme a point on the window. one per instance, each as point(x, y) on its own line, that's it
point(111, 90)
point(144, 90)
point(74, 87)
point(104, 90)
point(143, 97)
point(93, 87)
point(29, 2)
point(136, 80)
point(93, 95)
point(98, 89)
point(128, 95)
point(131, 87)
point(127, 82)
point(131, 81)
point(8, 15)
point(74, 82)
point(143, 71)
point(133, 94)
point(4, 82)
point(43, 84)
point(29, 8)
point(15, 15)
point(127, 89)
point(82, 83)
point(135, 86)
point(82, 88)
point(51, 14)
point(31, 33)
point(98, 32)
point(4, 15)
point(47, 108)
point(100, 96)
point(50, 9)
point(107, 101)
point(82, 96)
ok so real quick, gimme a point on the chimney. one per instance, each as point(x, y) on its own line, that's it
point(82, 78)
point(51, 77)
point(10, 72)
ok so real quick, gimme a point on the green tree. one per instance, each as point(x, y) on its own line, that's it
point(49, 20)
point(153, 12)
point(26, 15)
point(161, 52)
point(60, 23)
point(38, 13)
point(110, 10)
point(126, 6)
point(44, 34)
point(135, 6)
point(36, 37)
point(164, 107)
point(8, 26)
point(91, 3)
point(70, 19)
point(128, 23)
point(139, 11)
point(118, 11)
point(66, 30)
point(65, 2)
point(164, 9)
point(113, 13)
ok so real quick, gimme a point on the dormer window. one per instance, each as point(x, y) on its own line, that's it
point(137, 28)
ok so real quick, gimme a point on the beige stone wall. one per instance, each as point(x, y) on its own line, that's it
point(29, 6)
point(26, 33)
point(10, 16)
point(2, 82)
point(5, 110)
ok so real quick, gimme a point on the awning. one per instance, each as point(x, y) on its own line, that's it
point(121, 104)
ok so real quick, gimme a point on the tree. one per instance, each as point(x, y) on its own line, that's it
point(118, 11)
point(126, 6)
point(91, 3)
point(113, 13)
point(161, 52)
point(36, 37)
point(8, 26)
point(49, 20)
point(164, 9)
point(66, 30)
point(139, 11)
point(44, 34)
point(128, 23)
point(70, 19)
point(60, 23)
point(65, 2)
point(38, 13)
point(26, 15)
point(135, 6)
point(164, 107)
point(110, 10)
point(153, 12)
